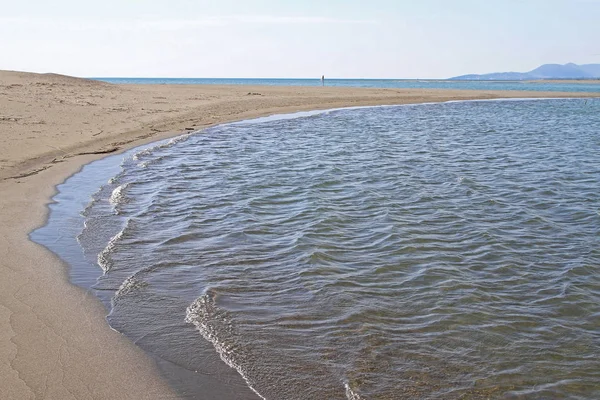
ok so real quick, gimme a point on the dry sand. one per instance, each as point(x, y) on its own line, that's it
point(54, 340)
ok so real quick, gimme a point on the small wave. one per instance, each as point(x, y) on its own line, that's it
point(115, 179)
point(118, 196)
point(142, 153)
point(104, 258)
point(161, 145)
point(351, 394)
point(129, 285)
point(147, 163)
point(214, 325)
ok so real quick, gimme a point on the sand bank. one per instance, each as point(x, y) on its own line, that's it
point(54, 340)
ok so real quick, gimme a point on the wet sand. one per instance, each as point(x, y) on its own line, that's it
point(54, 340)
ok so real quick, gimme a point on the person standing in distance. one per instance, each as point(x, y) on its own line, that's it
point(322, 80)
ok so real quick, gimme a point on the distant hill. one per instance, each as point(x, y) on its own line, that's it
point(546, 71)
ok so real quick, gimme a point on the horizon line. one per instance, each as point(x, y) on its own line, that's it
point(265, 78)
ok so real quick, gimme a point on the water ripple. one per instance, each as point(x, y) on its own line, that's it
point(440, 251)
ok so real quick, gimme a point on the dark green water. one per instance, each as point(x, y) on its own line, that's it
point(438, 251)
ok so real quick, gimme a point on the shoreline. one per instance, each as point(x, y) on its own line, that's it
point(54, 339)
point(71, 214)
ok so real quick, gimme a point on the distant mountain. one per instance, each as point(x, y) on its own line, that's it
point(546, 71)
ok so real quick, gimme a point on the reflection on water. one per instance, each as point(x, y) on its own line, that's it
point(436, 251)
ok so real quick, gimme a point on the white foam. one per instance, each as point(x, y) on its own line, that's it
point(118, 197)
point(104, 258)
point(145, 164)
point(204, 314)
point(351, 394)
point(142, 153)
point(161, 145)
point(129, 285)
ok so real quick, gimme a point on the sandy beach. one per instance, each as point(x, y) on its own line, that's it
point(54, 340)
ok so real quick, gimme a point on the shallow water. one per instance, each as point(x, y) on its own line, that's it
point(434, 251)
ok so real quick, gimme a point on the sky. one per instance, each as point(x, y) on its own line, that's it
point(295, 39)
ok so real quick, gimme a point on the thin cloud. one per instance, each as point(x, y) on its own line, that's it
point(173, 24)
point(270, 19)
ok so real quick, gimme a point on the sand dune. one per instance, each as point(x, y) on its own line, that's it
point(54, 341)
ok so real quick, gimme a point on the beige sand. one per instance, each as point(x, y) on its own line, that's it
point(54, 340)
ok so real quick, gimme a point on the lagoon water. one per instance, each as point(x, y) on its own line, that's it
point(436, 251)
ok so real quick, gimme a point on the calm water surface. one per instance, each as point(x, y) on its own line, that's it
point(438, 251)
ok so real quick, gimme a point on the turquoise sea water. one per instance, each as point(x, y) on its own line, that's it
point(373, 83)
point(438, 251)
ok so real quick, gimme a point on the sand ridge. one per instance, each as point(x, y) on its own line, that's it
point(45, 118)
point(54, 340)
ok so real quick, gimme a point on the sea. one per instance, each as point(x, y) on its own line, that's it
point(542, 86)
point(432, 251)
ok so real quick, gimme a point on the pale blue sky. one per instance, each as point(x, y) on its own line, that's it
point(268, 38)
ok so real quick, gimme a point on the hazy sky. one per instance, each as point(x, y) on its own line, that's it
point(302, 38)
